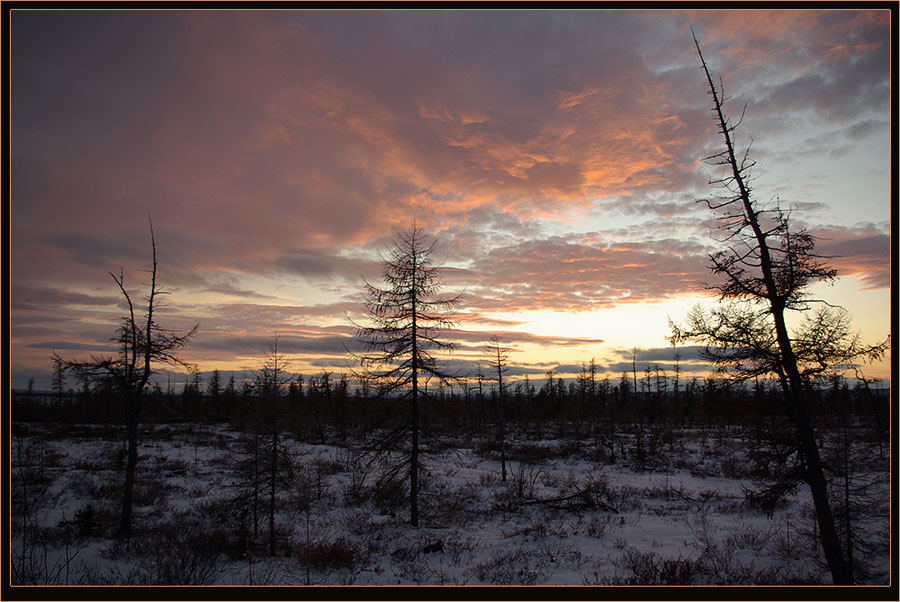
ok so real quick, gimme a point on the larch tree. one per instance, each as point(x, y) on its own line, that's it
point(273, 379)
point(59, 377)
point(262, 465)
point(214, 393)
point(407, 318)
point(766, 271)
point(499, 359)
point(143, 344)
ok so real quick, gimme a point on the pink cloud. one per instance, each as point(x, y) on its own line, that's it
point(285, 147)
point(861, 252)
point(574, 275)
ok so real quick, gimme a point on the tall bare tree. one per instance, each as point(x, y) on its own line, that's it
point(143, 344)
point(499, 358)
point(407, 318)
point(273, 379)
point(766, 271)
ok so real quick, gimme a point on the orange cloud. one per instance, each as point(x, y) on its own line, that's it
point(278, 148)
point(860, 252)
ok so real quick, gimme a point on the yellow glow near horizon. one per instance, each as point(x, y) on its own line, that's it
point(642, 325)
point(645, 325)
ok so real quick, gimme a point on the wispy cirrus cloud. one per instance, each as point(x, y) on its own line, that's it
point(44, 299)
point(861, 251)
point(578, 273)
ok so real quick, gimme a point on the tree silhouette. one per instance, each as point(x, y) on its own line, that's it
point(214, 393)
point(766, 270)
point(143, 343)
point(272, 380)
point(406, 320)
point(499, 358)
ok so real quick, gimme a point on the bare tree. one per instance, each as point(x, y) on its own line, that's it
point(766, 271)
point(143, 343)
point(273, 379)
point(499, 358)
point(214, 393)
point(59, 378)
point(406, 320)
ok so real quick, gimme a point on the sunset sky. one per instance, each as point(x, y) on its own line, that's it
point(556, 156)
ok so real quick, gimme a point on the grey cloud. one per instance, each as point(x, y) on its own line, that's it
point(865, 128)
point(319, 264)
point(842, 93)
point(511, 338)
point(865, 253)
point(24, 297)
point(106, 252)
point(662, 358)
point(73, 346)
point(877, 246)
point(687, 353)
point(236, 292)
point(288, 344)
point(562, 273)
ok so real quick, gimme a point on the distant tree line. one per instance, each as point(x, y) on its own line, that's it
point(330, 407)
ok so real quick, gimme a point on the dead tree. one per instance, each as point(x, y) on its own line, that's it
point(273, 379)
point(765, 272)
point(143, 344)
point(499, 358)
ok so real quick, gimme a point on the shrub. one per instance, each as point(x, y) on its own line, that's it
point(518, 567)
point(327, 554)
point(86, 522)
point(445, 505)
point(648, 568)
point(180, 553)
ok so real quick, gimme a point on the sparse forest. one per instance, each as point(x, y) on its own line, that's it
point(605, 485)
point(773, 470)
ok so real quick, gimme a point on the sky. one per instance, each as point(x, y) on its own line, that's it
point(556, 156)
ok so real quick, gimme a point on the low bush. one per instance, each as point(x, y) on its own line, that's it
point(330, 554)
point(179, 552)
point(521, 566)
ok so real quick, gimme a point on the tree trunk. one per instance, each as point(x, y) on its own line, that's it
point(414, 452)
point(130, 469)
point(414, 459)
point(814, 475)
point(799, 411)
point(502, 416)
point(272, 483)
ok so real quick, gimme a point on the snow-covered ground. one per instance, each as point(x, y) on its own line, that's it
point(570, 513)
